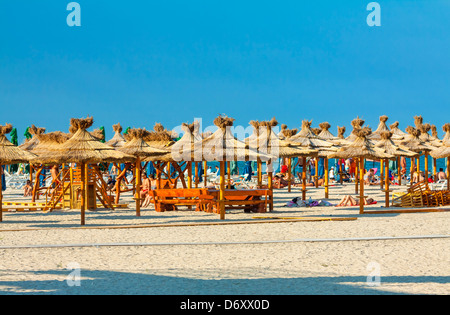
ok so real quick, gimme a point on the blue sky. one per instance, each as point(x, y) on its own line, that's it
point(141, 62)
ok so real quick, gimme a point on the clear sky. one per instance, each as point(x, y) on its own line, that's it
point(141, 62)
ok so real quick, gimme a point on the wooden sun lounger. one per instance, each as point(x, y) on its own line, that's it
point(169, 199)
point(419, 195)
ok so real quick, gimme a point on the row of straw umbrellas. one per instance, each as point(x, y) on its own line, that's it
point(139, 145)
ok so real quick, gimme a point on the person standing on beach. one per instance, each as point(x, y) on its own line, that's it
point(441, 175)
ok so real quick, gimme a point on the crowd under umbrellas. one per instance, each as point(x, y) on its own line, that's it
point(82, 148)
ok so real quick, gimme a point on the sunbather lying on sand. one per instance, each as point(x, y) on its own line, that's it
point(350, 201)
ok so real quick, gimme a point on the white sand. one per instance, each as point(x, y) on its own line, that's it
point(419, 266)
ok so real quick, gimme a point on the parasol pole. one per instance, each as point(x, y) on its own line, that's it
point(316, 179)
point(304, 179)
point(399, 171)
point(205, 173)
point(196, 174)
point(229, 174)
point(270, 186)
point(434, 169)
point(381, 174)
point(326, 183)
point(356, 175)
point(222, 191)
point(1, 195)
point(386, 179)
point(448, 173)
point(289, 174)
point(426, 168)
point(361, 182)
point(83, 195)
point(138, 186)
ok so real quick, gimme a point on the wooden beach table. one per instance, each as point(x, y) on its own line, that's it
point(251, 200)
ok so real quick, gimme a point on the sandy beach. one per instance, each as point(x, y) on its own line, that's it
point(170, 253)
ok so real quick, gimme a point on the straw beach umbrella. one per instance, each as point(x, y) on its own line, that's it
point(10, 154)
point(84, 149)
point(389, 147)
point(397, 132)
point(265, 140)
point(191, 139)
point(118, 140)
point(223, 146)
point(413, 143)
point(30, 144)
point(444, 151)
point(307, 139)
point(138, 148)
point(361, 148)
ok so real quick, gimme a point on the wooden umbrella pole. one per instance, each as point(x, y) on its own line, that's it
point(72, 197)
point(86, 183)
point(304, 179)
point(426, 168)
point(31, 173)
point(83, 196)
point(138, 187)
point(356, 175)
point(399, 171)
point(205, 174)
point(411, 171)
point(381, 174)
point(270, 187)
point(189, 169)
point(316, 178)
point(326, 183)
point(159, 171)
point(386, 180)
point(289, 174)
point(196, 174)
point(1, 196)
point(448, 173)
point(259, 172)
point(229, 174)
point(361, 183)
point(222, 191)
point(418, 166)
point(434, 169)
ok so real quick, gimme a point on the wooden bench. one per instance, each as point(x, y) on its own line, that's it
point(419, 195)
point(169, 199)
point(251, 200)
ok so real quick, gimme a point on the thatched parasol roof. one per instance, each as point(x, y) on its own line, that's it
point(361, 147)
point(325, 134)
point(307, 139)
point(9, 153)
point(30, 144)
point(82, 147)
point(444, 150)
point(357, 124)
point(413, 142)
point(222, 145)
point(137, 147)
point(382, 127)
point(341, 133)
point(426, 137)
point(47, 148)
point(286, 133)
point(191, 139)
point(397, 132)
point(118, 140)
point(159, 138)
point(391, 148)
point(264, 140)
